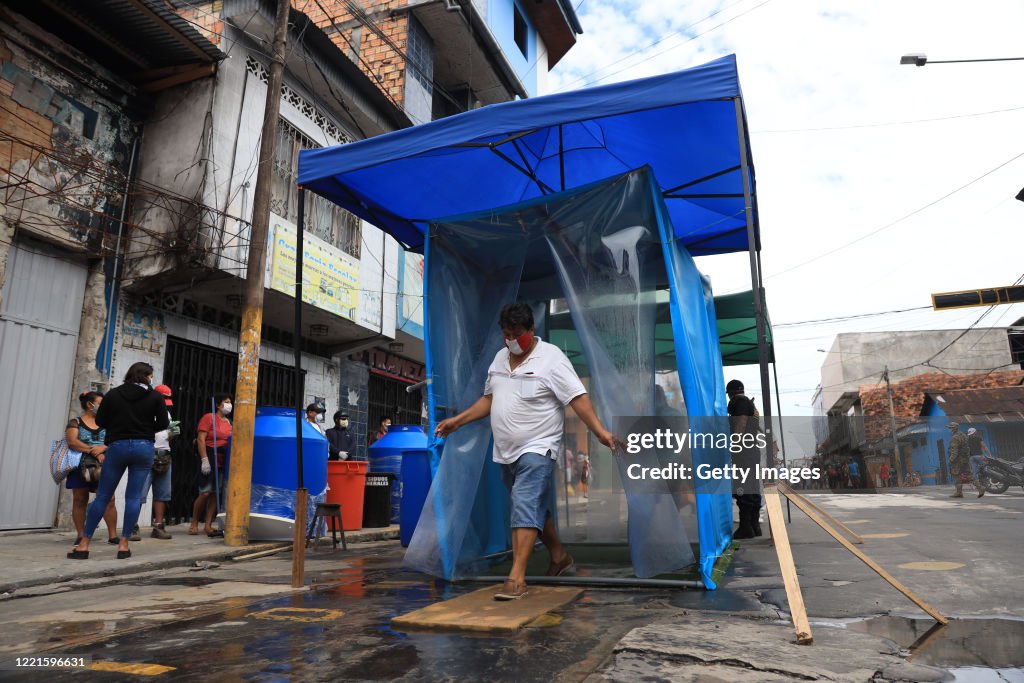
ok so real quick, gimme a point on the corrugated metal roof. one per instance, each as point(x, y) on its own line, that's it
point(137, 34)
point(982, 404)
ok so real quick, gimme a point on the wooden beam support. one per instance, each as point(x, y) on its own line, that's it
point(780, 538)
point(98, 35)
point(188, 75)
point(178, 35)
point(875, 567)
point(800, 501)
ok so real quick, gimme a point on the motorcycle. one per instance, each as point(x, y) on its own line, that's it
point(999, 475)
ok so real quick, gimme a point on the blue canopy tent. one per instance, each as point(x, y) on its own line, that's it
point(675, 144)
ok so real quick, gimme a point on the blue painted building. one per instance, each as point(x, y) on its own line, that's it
point(998, 413)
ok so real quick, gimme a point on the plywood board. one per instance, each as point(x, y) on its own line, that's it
point(479, 611)
point(780, 537)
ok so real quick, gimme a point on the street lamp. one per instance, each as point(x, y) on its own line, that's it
point(919, 59)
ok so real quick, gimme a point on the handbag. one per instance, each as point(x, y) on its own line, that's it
point(63, 459)
point(161, 462)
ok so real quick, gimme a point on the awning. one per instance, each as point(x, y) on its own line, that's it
point(737, 333)
point(682, 125)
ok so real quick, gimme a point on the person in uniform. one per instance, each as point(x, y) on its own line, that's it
point(959, 451)
point(743, 420)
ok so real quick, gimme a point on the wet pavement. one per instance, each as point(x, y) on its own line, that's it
point(242, 620)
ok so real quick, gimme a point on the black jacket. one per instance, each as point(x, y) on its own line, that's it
point(339, 440)
point(132, 412)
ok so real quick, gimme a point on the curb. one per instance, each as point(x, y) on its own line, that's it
point(226, 553)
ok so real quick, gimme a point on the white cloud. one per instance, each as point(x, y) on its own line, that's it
point(821, 64)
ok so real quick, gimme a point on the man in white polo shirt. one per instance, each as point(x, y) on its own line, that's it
point(528, 386)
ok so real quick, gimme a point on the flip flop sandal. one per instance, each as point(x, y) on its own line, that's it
point(216, 534)
point(563, 568)
point(124, 554)
point(78, 555)
point(510, 592)
point(193, 532)
point(114, 541)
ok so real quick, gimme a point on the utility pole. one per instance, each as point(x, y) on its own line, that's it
point(892, 425)
point(236, 530)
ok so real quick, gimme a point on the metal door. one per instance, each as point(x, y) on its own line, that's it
point(388, 398)
point(39, 318)
point(196, 373)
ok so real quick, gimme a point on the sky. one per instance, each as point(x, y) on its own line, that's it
point(853, 170)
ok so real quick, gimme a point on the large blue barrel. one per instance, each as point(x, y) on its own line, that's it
point(416, 480)
point(274, 462)
point(386, 456)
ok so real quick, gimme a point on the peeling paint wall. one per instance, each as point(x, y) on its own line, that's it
point(67, 131)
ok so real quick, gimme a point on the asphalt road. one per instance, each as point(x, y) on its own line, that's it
point(242, 620)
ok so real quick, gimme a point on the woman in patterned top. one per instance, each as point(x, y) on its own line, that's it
point(83, 434)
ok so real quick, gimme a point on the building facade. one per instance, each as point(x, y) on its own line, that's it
point(77, 84)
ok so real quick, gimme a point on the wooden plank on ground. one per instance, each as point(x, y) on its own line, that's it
point(479, 611)
point(780, 537)
point(875, 567)
point(793, 495)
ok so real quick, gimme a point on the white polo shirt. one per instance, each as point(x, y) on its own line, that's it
point(528, 404)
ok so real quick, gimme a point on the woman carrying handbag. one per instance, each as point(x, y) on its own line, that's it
point(131, 414)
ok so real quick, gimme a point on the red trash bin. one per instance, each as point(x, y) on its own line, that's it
point(346, 482)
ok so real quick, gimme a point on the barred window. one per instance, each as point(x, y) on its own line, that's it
point(326, 220)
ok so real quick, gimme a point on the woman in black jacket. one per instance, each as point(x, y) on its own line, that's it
point(131, 414)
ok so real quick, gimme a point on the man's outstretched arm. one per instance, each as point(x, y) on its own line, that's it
point(477, 411)
point(584, 409)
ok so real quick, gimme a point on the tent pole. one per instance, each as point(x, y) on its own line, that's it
point(782, 432)
point(753, 247)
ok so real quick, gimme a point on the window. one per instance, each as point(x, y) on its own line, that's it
point(326, 220)
point(520, 31)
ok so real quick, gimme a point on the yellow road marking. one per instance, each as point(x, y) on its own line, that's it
point(302, 614)
point(884, 535)
point(136, 669)
point(931, 566)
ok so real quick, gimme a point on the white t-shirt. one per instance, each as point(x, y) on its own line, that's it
point(528, 404)
point(162, 439)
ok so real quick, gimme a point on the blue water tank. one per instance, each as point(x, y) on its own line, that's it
point(386, 456)
point(273, 452)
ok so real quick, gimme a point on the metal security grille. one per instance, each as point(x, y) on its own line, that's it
point(326, 220)
point(195, 374)
point(388, 398)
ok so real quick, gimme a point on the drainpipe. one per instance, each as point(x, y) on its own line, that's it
point(113, 297)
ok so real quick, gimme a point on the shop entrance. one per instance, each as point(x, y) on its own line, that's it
point(196, 373)
point(388, 398)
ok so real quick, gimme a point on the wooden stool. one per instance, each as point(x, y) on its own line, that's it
point(325, 511)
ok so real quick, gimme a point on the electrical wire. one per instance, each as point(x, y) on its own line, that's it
point(898, 220)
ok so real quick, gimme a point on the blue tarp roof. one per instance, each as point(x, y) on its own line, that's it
point(683, 125)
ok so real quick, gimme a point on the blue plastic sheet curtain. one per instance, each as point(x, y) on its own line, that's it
point(602, 248)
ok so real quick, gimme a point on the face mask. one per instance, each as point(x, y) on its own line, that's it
point(343, 424)
point(227, 409)
point(521, 344)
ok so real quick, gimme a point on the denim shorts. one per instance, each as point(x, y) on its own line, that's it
point(161, 485)
point(530, 480)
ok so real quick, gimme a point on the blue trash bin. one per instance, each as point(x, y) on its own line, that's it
point(416, 480)
point(386, 456)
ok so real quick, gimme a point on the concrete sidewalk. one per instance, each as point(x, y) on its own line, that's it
point(34, 558)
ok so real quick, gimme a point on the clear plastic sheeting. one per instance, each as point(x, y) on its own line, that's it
point(605, 248)
point(271, 500)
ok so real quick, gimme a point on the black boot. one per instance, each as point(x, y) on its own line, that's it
point(745, 528)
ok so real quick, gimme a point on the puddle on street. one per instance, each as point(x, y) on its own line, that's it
point(972, 649)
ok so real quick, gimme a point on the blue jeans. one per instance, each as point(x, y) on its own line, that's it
point(976, 462)
point(135, 456)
